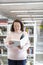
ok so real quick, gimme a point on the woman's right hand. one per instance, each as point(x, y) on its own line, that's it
point(10, 42)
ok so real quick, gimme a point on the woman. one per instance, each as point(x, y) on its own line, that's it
point(16, 55)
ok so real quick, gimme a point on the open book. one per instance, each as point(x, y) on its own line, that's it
point(23, 40)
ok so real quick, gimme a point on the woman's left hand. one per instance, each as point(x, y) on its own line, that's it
point(19, 47)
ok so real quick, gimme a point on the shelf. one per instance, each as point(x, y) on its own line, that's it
point(28, 25)
point(3, 25)
point(3, 36)
point(32, 46)
point(39, 63)
point(32, 60)
point(4, 55)
point(2, 45)
point(40, 43)
point(30, 55)
point(30, 35)
point(39, 52)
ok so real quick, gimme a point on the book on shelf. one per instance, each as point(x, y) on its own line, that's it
point(1, 40)
point(31, 39)
point(3, 21)
point(0, 50)
point(30, 50)
point(4, 50)
point(29, 30)
point(3, 30)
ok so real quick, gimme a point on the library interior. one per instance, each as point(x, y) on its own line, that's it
point(30, 13)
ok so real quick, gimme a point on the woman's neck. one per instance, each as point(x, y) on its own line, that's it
point(18, 31)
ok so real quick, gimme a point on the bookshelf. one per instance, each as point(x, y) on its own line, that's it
point(39, 45)
point(3, 34)
point(30, 28)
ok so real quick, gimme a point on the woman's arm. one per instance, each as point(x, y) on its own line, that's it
point(27, 45)
point(7, 41)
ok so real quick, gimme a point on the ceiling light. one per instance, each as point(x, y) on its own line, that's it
point(37, 15)
point(29, 15)
point(35, 10)
point(26, 11)
point(21, 3)
point(25, 18)
point(23, 15)
point(17, 11)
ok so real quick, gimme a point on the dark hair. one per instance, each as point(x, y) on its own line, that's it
point(12, 27)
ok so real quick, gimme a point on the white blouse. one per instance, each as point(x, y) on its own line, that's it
point(15, 53)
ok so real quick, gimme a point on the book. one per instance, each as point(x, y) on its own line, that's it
point(23, 40)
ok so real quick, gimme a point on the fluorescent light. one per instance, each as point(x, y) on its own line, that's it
point(38, 18)
point(31, 18)
point(29, 15)
point(26, 18)
point(37, 15)
point(28, 21)
point(23, 15)
point(11, 4)
point(27, 11)
point(21, 3)
point(17, 11)
point(35, 10)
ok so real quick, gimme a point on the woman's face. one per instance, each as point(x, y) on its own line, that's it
point(17, 26)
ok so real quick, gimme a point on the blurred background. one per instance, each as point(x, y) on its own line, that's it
point(30, 12)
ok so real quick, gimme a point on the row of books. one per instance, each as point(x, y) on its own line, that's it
point(3, 50)
point(29, 29)
point(30, 50)
point(3, 30)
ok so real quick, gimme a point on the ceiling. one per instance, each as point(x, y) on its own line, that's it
point(22, 9)
point(21, 1)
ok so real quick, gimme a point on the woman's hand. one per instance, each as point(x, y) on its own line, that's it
point(10, 42)
point(19, 47)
